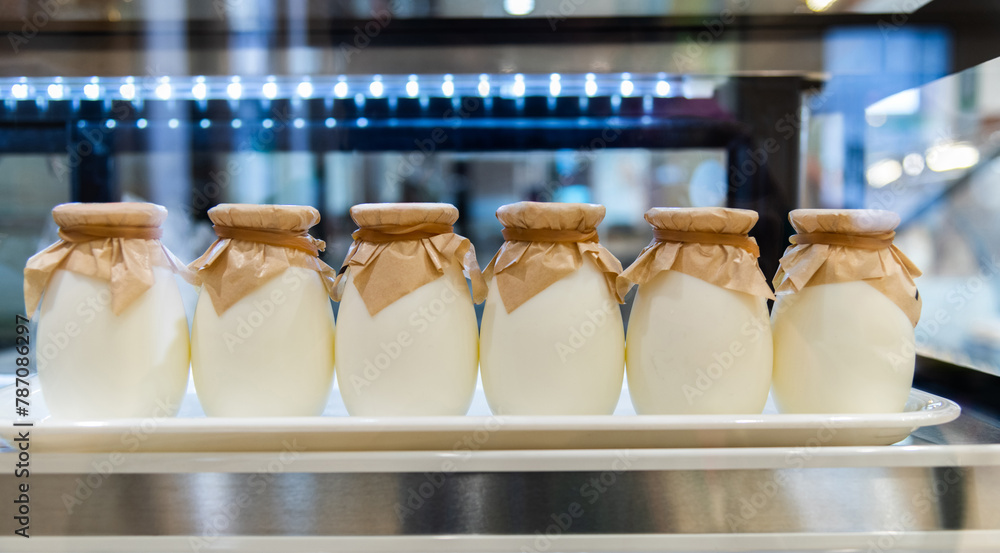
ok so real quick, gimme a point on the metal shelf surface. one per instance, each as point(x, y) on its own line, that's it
point(936, 491)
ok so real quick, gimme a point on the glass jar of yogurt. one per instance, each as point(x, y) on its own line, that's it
point(408, 342)
point(699, 339)
point(262, 341)
point(112, 336)
point(844, 318)
point(553, 342)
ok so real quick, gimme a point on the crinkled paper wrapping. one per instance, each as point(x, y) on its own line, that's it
point(125, 263)
point(230, 269)
point(888, 270)
point(728, 266)
point(523, 269)
point(384, 272)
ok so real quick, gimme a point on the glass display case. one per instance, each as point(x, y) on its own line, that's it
point(768, 105)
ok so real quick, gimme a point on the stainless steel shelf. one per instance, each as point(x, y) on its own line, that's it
point(934, 492)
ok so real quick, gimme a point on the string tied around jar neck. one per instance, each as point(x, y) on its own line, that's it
point(381, 234)
point(299, 240)
point(517, 234)
point(861, 241)
point(79, 234)
point(741, 241)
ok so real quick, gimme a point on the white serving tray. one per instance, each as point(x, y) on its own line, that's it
point(192, 431)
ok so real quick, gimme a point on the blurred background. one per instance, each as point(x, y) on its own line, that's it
point(765, 104)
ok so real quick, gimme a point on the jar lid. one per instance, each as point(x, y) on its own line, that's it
point(551, 216)
point(114, 214)
point(297, 218)
point(844, 221)
point(718, 220)
point(403, 214)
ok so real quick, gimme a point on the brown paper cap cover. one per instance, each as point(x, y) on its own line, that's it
point(728, 266)
point(523, 269)
point(384, 272)
point(125, 263)
point(887, 269)
point(232, 268)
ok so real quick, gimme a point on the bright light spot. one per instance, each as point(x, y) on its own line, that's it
point(234, 90)
point(376, 88)
point(662, 88)
point(299, 122)
point(340, 89)
point(362, 122)
point(163, 91)
point(412, 87)
point(484, 86)
point(270, 90)
point(903, 103)
point(819, 5)
point(590, 87)
point(875, 119)
point(627, 87)
point(204, 123)
point(330, 122)
point(518, 85)
point(267, 123)
point(237, 123)
point(20, 91)
point(518, 7)
point(448, 89)
point(698, 88)
point(110, 123)
point(305, 89)
point(199, 91)
point(948, 157)
point(127, 91)
point(555, 87)
point(173, 123)
point(141, 123)
point(883, 172)
point(55, 91)
point(913, 164)
point(92, 91)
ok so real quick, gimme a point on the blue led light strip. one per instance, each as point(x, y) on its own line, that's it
point(357, 87)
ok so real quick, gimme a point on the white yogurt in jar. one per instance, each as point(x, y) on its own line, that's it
point(697, 348)
point(561, 352)
point(93, 364)
point(841, 348)
point(270, 354)
point(416, 356)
